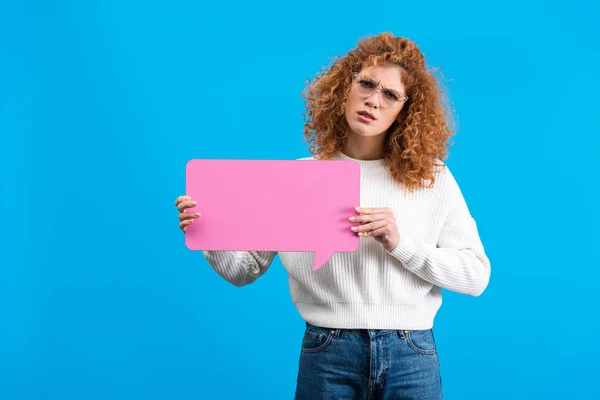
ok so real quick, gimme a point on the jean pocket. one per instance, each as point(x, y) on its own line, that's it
point(422, 341)
point(316, 339)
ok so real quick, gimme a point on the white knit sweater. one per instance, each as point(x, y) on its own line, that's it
point(372, 288)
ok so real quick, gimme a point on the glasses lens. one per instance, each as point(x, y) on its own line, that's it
point(389, 99)
point(365, 88)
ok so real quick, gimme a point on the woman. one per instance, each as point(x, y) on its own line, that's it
point(369, 313)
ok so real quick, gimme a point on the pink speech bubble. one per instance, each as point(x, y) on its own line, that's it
point(273, 205)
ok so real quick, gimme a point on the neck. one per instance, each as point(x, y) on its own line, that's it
point(365, 148)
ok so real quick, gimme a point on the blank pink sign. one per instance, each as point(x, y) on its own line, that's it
point(274, 205)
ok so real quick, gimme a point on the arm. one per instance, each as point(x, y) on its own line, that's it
point(240, 267)
point(458, 262)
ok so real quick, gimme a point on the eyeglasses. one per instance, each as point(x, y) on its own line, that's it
point(365, 87)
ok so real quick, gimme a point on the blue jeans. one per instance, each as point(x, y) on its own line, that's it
point(368, 364)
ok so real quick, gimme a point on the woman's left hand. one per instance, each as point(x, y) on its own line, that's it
point(380, 223)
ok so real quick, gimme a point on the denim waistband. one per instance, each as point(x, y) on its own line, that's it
point(365, 332)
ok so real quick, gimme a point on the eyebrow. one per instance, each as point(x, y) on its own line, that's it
point(385, 88)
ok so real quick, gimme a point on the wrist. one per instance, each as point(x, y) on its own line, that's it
point(392, 245)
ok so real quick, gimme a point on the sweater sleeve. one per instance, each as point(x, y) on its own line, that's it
point(458, 262)
point(239, 267)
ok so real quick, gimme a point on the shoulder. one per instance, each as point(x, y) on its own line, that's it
point(306, 158)
point(444, 178)
point(445, 187)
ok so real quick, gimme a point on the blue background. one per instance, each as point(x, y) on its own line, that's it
point(103, 103)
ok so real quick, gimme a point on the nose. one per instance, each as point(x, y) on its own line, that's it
point(373, 100)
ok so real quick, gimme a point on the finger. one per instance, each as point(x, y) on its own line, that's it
point(370, 226)
point(181, 198)
point(368, 218)
point(185, 205)
point(385, 230)
point(373, 210)
point(188, 215)
point(184, 224)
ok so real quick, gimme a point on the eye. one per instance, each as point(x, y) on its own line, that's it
point(366, 84)
point(390, 95)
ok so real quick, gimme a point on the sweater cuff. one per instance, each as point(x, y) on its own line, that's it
point(404, 251)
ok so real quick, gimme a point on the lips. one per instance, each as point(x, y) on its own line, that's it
point(367, 115)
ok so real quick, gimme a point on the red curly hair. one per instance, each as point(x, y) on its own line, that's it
point(419, 136)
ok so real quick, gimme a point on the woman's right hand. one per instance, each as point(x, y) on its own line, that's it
point(186, 218)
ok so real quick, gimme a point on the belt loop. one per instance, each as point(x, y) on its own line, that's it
point(336, 333)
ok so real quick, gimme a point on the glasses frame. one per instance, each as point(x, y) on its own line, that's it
point(402, 98)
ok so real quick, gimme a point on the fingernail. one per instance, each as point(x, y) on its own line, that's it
point(352, 218)
point(193, 203)
point(197, 214)
point(354, 228)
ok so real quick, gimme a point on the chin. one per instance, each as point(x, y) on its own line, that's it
point(364, 131)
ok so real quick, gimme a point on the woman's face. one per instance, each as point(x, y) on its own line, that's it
point(383, 105)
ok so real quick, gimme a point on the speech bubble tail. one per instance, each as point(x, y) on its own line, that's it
point(320, 259)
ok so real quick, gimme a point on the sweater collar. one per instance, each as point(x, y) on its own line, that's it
point(366, 166)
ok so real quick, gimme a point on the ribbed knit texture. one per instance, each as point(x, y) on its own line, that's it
point(372, 288)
